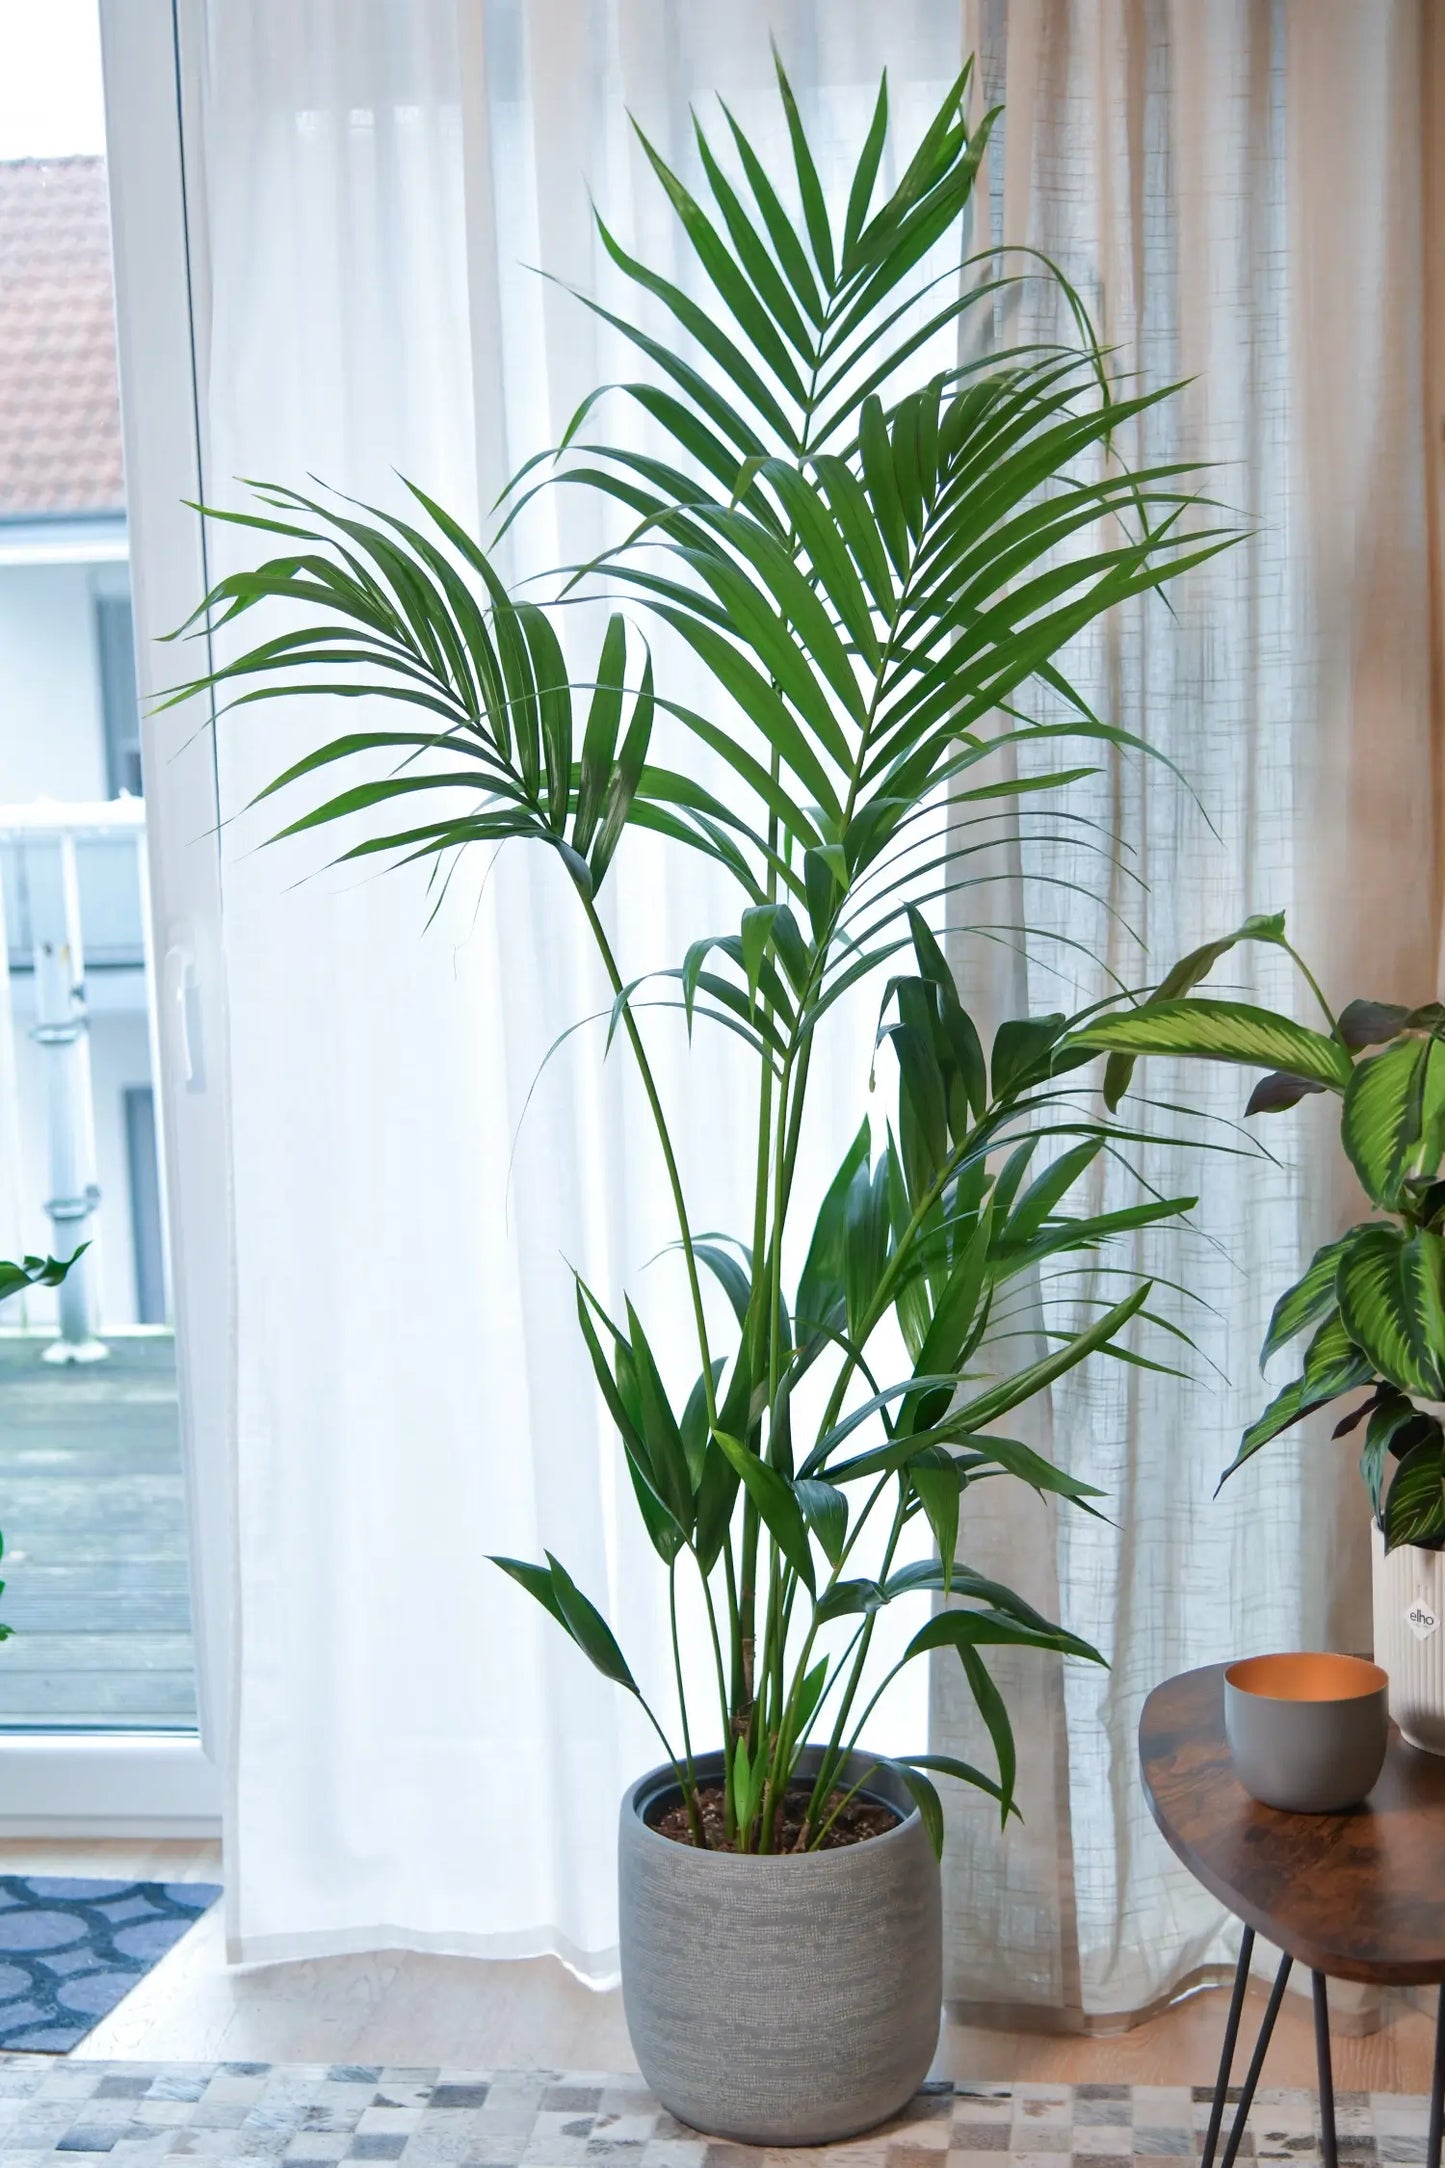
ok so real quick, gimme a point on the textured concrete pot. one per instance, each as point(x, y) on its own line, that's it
point(1307, 1731)
point(1409, 1589)
point(788, 2000)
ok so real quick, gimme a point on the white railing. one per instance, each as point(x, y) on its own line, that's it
point(41, 845)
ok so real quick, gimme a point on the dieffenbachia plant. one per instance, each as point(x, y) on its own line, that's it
point(873, 573)
point(1373, 1301)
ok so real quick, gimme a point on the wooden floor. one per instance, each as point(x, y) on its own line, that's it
point(398, 2008)
point(94, 1520)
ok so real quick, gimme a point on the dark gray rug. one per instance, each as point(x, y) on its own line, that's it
point(70, 1949)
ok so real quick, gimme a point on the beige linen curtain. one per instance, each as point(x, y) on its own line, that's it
point(1243, 193)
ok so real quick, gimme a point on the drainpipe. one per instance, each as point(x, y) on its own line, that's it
point(62, 1029)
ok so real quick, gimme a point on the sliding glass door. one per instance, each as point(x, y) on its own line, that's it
point(112, 1142)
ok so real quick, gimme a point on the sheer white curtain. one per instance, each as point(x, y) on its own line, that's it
point(419, 1757)
point(1181, 164)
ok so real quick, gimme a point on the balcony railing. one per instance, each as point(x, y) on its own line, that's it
point(92, 1495)
point(75, 948)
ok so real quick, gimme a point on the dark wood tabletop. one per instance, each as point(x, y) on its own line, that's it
point(1359, 1896)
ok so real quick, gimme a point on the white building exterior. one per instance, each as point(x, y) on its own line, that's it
point(69, 747)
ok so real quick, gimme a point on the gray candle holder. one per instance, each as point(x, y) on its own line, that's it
point(1307, 1731)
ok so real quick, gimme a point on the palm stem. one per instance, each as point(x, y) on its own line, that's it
point(664, 1138)
point(787, 1744)
point(688, 1790)
point(769, 1274)
point(729, 1819)
point(826, 1768)
point(677, 1673)
point(756, 1326)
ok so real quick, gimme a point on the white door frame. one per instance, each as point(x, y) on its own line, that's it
point(134, 1782)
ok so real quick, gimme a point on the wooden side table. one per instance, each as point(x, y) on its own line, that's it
point(1356, 1896)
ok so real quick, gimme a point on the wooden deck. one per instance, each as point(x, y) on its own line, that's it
point(95, 1566)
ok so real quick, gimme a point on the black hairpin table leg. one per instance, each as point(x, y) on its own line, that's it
point(1329, 2141)
point(1329, 2151)
point(1256, 2064)
point(1231, 2038)
point(1437, 2088)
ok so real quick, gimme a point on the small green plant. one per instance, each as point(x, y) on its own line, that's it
point(34, 1272)
point(15, 1276)
point(875, 575)
point(1373, 1301)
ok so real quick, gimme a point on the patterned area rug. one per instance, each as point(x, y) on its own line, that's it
point(70, 1949)
point(309, 2113)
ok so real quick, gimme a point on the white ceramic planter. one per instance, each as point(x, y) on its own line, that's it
point(1409, 1593)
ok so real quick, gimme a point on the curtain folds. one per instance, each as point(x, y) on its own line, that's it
point(1175, 161)
point(419, 1758)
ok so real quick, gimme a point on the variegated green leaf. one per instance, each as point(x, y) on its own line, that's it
point(1392, 1303)
point(1304, 1304)
point(1383, 1117)
point(1333, 1365)
point(1395, 1426)
point(1221, 1031)
point(1181, 978)
point(1414, 1509)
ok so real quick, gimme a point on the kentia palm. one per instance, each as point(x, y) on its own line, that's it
point(872, 576)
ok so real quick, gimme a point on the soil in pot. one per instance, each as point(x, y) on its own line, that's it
point(859, 1819)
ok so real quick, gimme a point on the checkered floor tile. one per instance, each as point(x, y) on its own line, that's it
point(310, 2113)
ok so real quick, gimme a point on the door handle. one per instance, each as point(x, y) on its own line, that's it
point(183, 1000)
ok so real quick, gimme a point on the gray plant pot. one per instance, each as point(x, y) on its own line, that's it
point(789, 2000)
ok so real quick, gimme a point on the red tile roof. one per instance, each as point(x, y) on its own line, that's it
point(59, 403)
